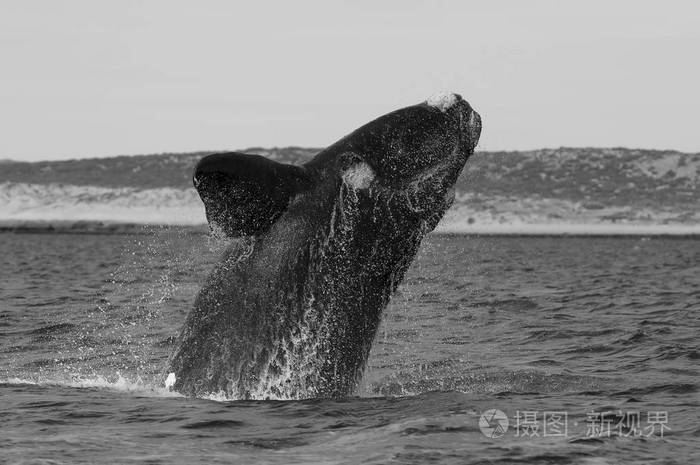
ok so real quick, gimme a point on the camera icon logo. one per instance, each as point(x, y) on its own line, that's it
point(493, 423)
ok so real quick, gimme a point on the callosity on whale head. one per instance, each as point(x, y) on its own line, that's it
point(292, 311)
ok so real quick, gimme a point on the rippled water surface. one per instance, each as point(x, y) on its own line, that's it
point(586, 334)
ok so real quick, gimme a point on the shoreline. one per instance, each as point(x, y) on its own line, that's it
point(449, 229)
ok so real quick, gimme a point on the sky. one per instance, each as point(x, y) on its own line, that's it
point(97, 78)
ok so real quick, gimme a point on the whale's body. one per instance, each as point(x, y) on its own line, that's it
point(292, 309)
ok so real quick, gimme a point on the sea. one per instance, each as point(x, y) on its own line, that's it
point(494, 349)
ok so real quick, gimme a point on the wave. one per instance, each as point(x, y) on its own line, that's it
point(65, 205)
point(116, 383)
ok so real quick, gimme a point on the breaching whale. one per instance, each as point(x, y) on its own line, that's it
point(292, 309)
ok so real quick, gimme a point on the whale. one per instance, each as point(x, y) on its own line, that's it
point(316, 250)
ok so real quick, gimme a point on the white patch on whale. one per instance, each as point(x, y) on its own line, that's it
point(442, 100)
point(472, 119)
point(359, 176)
point(170, 381)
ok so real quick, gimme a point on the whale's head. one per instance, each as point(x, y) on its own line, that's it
point(407, 162)
point(407, 144)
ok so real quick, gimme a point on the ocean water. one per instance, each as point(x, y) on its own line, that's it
point(587, 346)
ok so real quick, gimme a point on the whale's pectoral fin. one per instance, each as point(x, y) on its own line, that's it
point(244, 194)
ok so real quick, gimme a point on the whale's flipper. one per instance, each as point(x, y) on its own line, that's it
point(244, 194)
